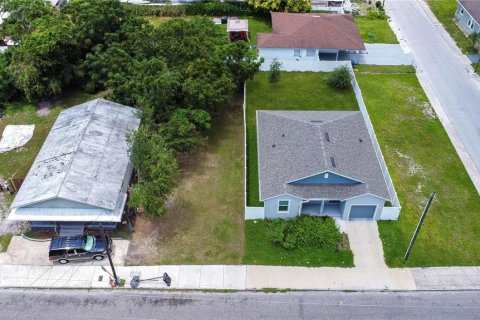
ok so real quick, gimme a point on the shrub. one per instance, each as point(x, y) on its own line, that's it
point(376, 14)
point(275, 68)
point(340, 78)
point(378, 4)
point(304, 232)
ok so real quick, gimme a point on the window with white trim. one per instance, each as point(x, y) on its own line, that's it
point(470, 23)
point(283, 205)
point(296, 52)
point(311, 52)
point(461, 11)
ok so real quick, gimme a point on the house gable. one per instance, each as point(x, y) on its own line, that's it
point(326, 177)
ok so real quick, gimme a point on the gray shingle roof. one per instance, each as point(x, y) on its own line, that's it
point(84, 158)
point(292, 145)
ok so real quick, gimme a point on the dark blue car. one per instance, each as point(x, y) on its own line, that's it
point(66, 249)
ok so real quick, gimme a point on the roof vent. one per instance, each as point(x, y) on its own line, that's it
point(283, 136)
point(327, 136)
point(332, 160)
point(273, 146)
point(360, 140)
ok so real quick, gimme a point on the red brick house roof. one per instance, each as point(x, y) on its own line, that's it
point(312, 30)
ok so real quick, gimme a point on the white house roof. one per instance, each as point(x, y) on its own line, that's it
point(84, 158)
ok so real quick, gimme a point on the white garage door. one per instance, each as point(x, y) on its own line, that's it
point(362, 212)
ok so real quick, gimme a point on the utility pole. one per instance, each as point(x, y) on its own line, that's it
point(115, 277)
point(419, 226)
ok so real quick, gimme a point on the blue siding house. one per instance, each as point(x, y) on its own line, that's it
point(318, 163)
point(467, 16)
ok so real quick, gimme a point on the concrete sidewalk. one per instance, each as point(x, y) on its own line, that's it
point(210, 277)
point(229, 277)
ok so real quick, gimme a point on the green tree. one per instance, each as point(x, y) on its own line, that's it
point(156, 168)
point(282, 5)
point(275, 70)
point(241, 61)
point(43, 63)
point(7, 81)
point(22, 15)
point(206, 84)
point(147, 84)
point(94, 19)
point(100, 65)
point(183, 131)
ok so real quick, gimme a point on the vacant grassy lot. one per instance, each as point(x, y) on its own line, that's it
point(294, 91)
point(260, 250)
point(375, 30)
point(421, 159)
point(444, 10)
point(255, 24)
point(204, 223)
point(16, 163)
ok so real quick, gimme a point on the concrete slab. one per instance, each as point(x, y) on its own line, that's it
point(39, 272)
point(301, 278)
point(211, 277)
point(9, 271)
point(235, 277)
point(366, 244)
point(325, 279)
point(384, 54)
point(257, 277)
point(189, 277)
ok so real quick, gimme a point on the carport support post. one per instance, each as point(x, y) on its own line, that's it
point(115, 278)
point(419, 226)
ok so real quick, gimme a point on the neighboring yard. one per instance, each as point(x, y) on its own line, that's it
point(255, 24)
point(444, 10)
point(204, 223)
point(294, 91)
point(16, 163)
point(260, 250)
point(375, 30)
point(421, 159)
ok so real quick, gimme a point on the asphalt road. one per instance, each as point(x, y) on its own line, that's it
point(122, 305)
point(440, 63)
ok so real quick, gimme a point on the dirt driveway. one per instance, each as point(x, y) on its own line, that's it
point(26, 252)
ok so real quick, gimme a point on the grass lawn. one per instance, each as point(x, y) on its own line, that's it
point(255, 24)
point(204, 223)
point(16, 163)
point(260, 250)
point(444, 10)
point(5, 241)
point(294, 91)
point(421, 159)
point(375, 30)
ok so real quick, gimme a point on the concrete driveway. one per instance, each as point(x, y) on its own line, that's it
point(366, 244)
point(446, 76)
point(26, 252)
